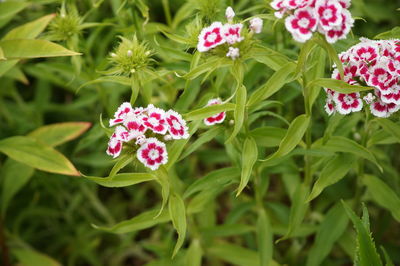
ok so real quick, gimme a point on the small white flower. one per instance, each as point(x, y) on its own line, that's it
point(113, 54)
point(256, 25)
point(129, 53)
point(369, 98)
point(229, 13)
point(233, 53)
point(167, 137)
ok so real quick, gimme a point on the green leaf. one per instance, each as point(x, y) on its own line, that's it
point(383, 195)
point(366, 254)
point(264, 238)
point(268, 57)
point(194, 254)
point(333, 55)
point(268, 136)
point(122, 180)
point(305, 52)
point(113, 79)
point(330, 230)
point(390, 127)
point(334, 170)
point(297, 212)
point(392, 34)
point(178, 216)
point(27, 257)
point(337, 85)
point(293, 136)
point(239, 111)
point(218, 178)
point(342, 144)
point(208, 111)
point(210, 65)
point(226, 230)
point(37, 155)
point(14, 176)
point(29, 30)
point(249, 158)
point(163, 180)
point(142, 221)
point(25, 48)
point(203, 138)
point(56, 134)
point(234, 254)
point(317, 70)
point(274, 84)
point(9, 9)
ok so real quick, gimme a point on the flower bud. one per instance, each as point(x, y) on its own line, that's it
point(113, 54)
point(233, 53)
point(229, 14)
point(256, 25)
point(129, 53)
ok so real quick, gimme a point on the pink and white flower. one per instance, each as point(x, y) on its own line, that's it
point(231, 33)
point(121, 113)
point(176, 125)
point(215, 119)
point(280, 6)
point(152, 153)
point(301, 24)
point(329, 13)
point(382, 79)
point(393, 96)
point(381, 109)
point(347, 103)
point(155, 120)
point(114, 147)
point(366, 52)
point(256, 25)
point(339, 32)
point(210, 37)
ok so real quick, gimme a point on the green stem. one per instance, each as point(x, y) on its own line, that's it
point(308, 110)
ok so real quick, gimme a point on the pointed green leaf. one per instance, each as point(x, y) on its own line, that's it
point(14, 176)
point(29, 30)
point(208, 111)
point(25, 48)
point(239, 111)
point(274, 83)
point(264, 238)
point(366, 252)
point(333, 171)
point(56, 134)
point(29, 151)
point(330, 230)
point(178, 216)
point(383, 195)
point(249, 158)
point(122, 180)
point(28, 256)
point(293, 136)
point(194, 254)
point(390, 127)
point(337, 85)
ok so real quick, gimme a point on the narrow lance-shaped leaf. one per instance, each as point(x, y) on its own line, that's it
point(208, 111)
point(178, 216)
point(142, 221)
point(264, 238)
point(56, 134)
point(342, 144)
point(194, 254)
point(37, 155)
point(239, 111)
point(329, 231)
point(390, 127)
point(366, 254)
point(297, 211)
point(28, 256)
point(29, 30)
point(337, 85)
point(293, 136)
point(275, 83)
point(26, 48)
point(249, 158)
point(333, 171)
point(383, 195)
point(14, 176)
point(122, 180)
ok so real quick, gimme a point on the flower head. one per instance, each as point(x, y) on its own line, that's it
point(210, 37)
point(152, 153)
point(215, 119)
point(231, 33)
point(229, 13)
point(176, 125)
point(256, 25)
point(233, 53)
point(301, 24)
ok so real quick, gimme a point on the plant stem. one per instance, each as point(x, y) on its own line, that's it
point(308, 110)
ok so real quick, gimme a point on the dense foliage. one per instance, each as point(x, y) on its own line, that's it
point(233, 159)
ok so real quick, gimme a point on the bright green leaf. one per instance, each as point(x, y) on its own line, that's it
point(249, 158)
point(177, 211)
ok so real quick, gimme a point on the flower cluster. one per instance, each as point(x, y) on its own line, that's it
point(217, 34)
point(304, 17)
point(369, 63)
point(141, 126)
point(215, 119)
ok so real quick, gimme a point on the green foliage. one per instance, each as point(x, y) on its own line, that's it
point(271, 185)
